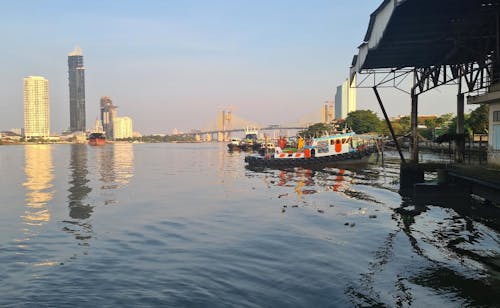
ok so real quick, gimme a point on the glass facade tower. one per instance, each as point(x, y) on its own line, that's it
point(76, 78)
point(108, 114)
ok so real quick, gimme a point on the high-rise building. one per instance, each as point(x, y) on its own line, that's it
point(76, 78)
point(108, 113)
point(122, 127)
point(345, 99)
point(36, 107)
point(327, 112)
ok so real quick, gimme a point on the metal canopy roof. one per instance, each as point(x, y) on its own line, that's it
point(423, 33)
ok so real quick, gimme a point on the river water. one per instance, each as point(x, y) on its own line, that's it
point(187, 225)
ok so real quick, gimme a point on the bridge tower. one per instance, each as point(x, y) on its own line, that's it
point(226, 124)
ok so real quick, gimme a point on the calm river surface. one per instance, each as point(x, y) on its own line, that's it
point(186, 225)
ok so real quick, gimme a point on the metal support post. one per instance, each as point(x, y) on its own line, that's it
point(460, 140)
point(389, 124)
point(414, 126)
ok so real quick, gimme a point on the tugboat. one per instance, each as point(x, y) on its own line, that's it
point(342, 147)
point(97, 139)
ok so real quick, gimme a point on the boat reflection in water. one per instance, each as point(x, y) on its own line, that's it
point(306, 181)
point(39, 176)
point(434, 247)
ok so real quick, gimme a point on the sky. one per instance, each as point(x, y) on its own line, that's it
point(177, 64)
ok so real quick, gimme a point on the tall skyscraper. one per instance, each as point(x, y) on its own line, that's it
point(122, 127)
point(345, 99)
point(36, 107)
point(108, 113)
point(76, 78)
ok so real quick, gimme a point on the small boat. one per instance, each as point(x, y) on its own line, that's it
point(249, 143)
point(251, 140)
point(341, 147)
point(97, 139)
point(234, 144)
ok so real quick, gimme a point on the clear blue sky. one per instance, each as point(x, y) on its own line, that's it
point(174, 64)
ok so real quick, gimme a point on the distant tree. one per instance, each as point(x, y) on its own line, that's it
point(316, 129)
point(478, 120)
point(405, 124)
point(399, 130)
point(445, 118)
point(363, 121)
point(452, 126)
point(431, 123)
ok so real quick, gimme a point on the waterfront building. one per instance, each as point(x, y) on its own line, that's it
point(108, 114)
point(36, 107)
point(345, 99)
point(76, 78)
point(327, 112)
point(97, 127)
point(122, 127)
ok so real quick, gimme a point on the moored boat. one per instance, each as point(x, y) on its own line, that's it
point(249, 143)
point(97, 139)
point(234, 144)
point(251, 140)
point(342, 147)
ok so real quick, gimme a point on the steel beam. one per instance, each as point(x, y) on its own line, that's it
point(414, 126)
point(389, 125)
point(460, 139)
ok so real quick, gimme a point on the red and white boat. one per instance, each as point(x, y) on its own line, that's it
point(346, 147)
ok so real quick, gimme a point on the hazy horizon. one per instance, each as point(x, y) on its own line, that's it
point(176, 64)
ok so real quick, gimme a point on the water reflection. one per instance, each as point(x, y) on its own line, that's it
point(78, 188)
point(307, 181)
point(437, 244)
point(79, 209)
point(115, 164)
point(39, 176)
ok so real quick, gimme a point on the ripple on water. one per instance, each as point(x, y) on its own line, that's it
point(188, 225)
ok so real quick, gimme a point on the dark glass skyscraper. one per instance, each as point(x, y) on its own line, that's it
point(76, 77)
point(108, 114)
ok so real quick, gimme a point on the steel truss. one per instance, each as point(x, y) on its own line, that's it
point(477, 77)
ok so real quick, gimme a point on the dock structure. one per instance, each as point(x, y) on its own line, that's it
point(434, 43)
point(431, 44)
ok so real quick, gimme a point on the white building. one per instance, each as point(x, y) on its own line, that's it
point(345, 99)
point(492, 98)
point(36, 107)
point(122, 127)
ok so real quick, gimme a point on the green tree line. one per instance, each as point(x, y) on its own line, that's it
point(366, 121)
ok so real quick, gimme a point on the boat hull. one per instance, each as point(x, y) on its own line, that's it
point(97, 142)
point(346, 158)
point(233, 147)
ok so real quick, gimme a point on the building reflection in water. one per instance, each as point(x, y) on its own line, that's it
point(78, 183)
point(79, 209)
point(115, 164)
point(39, 176)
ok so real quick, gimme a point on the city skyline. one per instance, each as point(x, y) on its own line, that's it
point(177, 64)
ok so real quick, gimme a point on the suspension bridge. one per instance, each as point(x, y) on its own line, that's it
point(227, 123)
